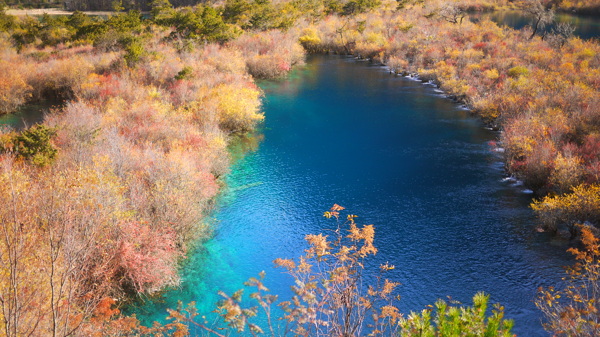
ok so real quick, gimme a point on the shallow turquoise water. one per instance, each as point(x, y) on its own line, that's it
point(27, 115)
point(403, 158)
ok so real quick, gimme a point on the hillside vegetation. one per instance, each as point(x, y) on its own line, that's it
point(103, 199)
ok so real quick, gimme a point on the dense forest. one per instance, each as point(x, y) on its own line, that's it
point(102, 200)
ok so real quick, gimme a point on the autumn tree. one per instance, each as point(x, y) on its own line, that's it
point(102, 199)
point(332, 296)
point(452, 13)
point(14, 90)
point(162, 11)
point(574, 310)
point(540, 15)
point(561, 34)
point(21, 290)
point(35, 144)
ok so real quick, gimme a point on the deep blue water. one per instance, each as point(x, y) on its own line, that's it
point(586, 27)
point(402, 157)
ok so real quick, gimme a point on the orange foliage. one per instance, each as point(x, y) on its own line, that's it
point(14, 90)
point(574, 311)
point(329, 296)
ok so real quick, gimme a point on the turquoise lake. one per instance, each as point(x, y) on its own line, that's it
point(402, 157)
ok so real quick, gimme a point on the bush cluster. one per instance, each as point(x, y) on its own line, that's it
point(105, 196)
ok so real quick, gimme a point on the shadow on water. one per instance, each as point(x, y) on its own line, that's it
point(402, 157)
point(28, 115)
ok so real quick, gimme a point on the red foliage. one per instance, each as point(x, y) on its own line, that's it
point(147, 257)
point(590, 149)
point(479, 45)
point(108, 87)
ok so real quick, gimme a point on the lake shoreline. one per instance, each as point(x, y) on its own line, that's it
point(377, 132)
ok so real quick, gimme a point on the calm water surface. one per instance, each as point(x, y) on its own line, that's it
point(28, 115)
point(586, 27)
point(403, 158)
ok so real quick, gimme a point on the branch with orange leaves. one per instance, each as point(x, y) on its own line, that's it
point(574, 311)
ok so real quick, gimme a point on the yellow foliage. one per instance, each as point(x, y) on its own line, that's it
point(90, 85)
point(319, 246)
point(474, 66)
point(473, 54)
point(14, 91)
point(567, 67)
point(486, 108)
point(518, 71)
point(454, 53)
point(583, 204)
point(586, 53)
point(376, 38)
point(238, 106)
point(491, 74)
point(310, 39)
point(153, 93)
point(568, 172)
point(460, 88)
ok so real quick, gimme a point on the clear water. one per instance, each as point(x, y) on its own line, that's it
point(27, 115)
point(402, 157)
point(586, 27)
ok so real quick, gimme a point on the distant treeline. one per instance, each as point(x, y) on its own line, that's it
point(94, 5)
point(34, 3)
point(103, 5)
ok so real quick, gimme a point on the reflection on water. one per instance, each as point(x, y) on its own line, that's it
point(244, 144)
point(27, 115)
point(586, 27)
point(401, 157)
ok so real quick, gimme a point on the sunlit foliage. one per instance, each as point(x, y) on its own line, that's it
point(103, 198)
point(14, 90)
point(574, 310)
point(583, 204)
point(450, 320)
